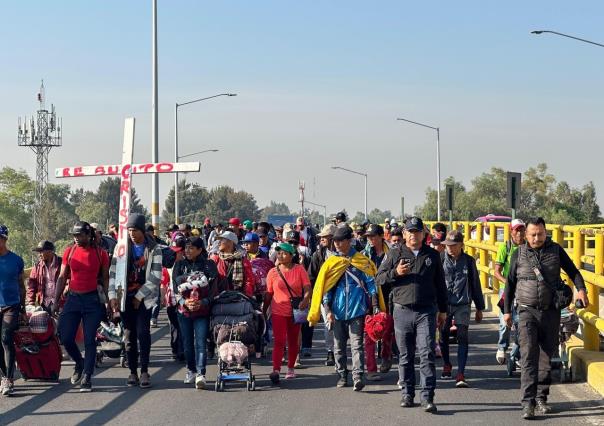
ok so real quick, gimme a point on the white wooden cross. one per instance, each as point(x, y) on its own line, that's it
point(125, 171)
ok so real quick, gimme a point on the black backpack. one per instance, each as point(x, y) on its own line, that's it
point(168, 257)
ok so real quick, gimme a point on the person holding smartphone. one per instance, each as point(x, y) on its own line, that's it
point(415, 273)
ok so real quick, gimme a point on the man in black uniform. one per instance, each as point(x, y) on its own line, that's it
point(534, 273)
point(415, 274)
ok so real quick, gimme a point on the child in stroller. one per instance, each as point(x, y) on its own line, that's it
point(236, 324)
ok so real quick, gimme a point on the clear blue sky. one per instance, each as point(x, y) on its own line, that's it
point(319, 84)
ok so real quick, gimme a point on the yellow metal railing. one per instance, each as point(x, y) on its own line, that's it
point(583, 243)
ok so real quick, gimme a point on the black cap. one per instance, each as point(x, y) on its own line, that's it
point(136, 221)
point(414, 223)
point(81, 227)
point(374, 229)
point(196, 242)
point(292, 236)
point(341, 216)
point(44, 246)
point(342, 233)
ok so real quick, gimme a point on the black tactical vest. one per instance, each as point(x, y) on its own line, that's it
point(529, 291)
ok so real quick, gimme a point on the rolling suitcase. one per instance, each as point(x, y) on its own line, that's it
point(38, 354)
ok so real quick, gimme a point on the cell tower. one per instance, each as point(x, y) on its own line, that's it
point(40, 133)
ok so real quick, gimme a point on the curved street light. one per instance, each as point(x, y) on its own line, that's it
point(196, 153)
point(437, 161)
point(356, 173)
point(538, 32)
point(176, 156)
point(319, 205)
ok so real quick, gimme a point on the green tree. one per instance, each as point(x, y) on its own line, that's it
point(225, 203)
point(58, 214)
point(108, 194)
point(16, 203)
point(191, 204)
point(540, 195)
point(374, 216)
point(274, 208)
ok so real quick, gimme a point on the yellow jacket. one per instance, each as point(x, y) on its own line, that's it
point(329, 275)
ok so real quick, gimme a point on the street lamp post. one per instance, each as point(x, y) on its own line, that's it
point(319, 205)
point(537, 32)
point(437, 161)
point(356, 173)
point(176, 157)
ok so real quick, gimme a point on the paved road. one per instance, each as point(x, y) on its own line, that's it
point(309, 399)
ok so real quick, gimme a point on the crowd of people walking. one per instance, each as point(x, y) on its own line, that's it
point(389, 292)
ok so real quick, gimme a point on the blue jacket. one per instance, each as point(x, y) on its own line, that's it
point(348, 299)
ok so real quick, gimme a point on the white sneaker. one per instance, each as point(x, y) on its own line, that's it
point(200, 381)
point(7, 387)
point(500, 356)
point(189, 377)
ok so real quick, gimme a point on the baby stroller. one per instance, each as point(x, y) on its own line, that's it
point(110, 343)
point(569, 324)
point(236, 323)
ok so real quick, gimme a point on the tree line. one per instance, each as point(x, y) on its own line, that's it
point(540, 195)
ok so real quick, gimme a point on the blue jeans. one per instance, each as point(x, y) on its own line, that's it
point(155, 310)
point(415, 330)
point(87, 309)
point(194, 335)
point(504, 333)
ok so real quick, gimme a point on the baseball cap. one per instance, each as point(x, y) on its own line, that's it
point(286, 247)
point(341, 216)
point(234, 221)
point(414, 223)
point(44, 245)
point(293, 236)
point(81, 227)
point(178, 244)
point(453, 237)
point(327, 231)
point(374, 229)
point(517, 223)
point(251, 237)
point(248, 224)
point(300, 220)
point(4, 231)
point(343, 233)
point(206, 220)
point(228, 235)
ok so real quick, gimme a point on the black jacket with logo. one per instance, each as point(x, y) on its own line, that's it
point(424, 286)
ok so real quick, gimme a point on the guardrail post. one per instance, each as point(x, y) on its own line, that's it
point(558, 236)
point(467, 237)
point(484, 277)
point(591, 340)
point(506, 233)
point(492, 256)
